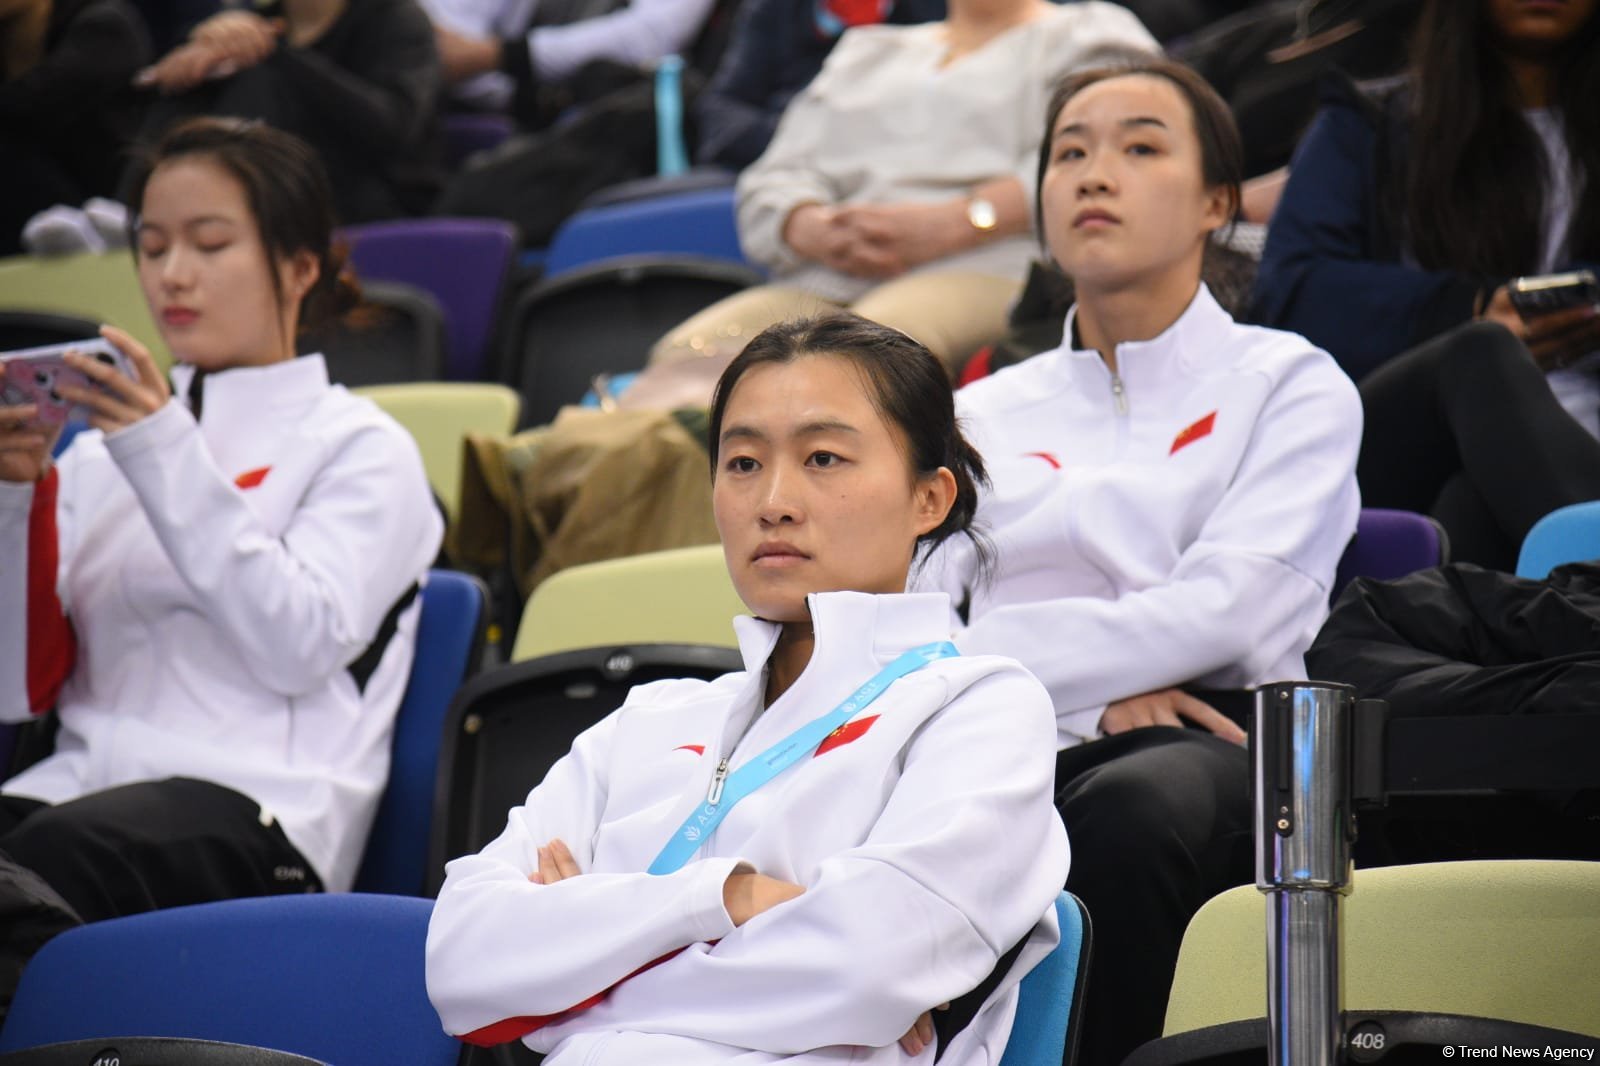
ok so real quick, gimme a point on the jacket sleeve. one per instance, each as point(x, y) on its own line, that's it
point(739, 110)
point(641, 32)
point(1321, 275)
point(505, 954)
point(1250, 588)
point(37, 644)
point(305, 604)
point(382, 95)
point(792, 171)
point(965, 858)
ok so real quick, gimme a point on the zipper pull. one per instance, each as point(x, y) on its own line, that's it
point(1119, 394)
point(717, 780)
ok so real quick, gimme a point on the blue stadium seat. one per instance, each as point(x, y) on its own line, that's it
point(1050, 1007)
point(1568, 535)
point(699, 224)
point(449, 641)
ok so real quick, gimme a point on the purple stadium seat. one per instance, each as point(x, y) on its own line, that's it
point(461, 262)
point(466, 132)
point(1390, 544)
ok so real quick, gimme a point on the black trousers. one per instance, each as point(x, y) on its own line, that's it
point(1465, 428)
point(1159, 820)
point(150, 845)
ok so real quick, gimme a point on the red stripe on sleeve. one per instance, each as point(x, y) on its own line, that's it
point(510, 1029)
point(52, 646)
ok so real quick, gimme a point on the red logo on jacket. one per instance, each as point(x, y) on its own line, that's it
point(251, 478)
point(844, 735)
point(1193, 432)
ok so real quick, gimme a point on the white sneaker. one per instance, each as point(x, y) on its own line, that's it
point(61, 230)
point(109, 219)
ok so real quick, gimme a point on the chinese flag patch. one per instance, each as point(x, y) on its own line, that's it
point(1193, 432)
point(698, 749)
point(844, 735)
point(251, 478)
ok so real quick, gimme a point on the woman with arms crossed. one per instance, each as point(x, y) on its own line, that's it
point(889, 869)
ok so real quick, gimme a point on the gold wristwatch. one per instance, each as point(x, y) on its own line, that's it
point(982, 215)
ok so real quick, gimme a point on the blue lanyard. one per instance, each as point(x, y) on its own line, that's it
point(728, 791)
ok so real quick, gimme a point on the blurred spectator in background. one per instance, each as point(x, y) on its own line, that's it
point(518, 54)
point(1408, 209)
point(66, 110)
point(1267, 61)
point(777, 48)
point(898, 181)
point(357, 79)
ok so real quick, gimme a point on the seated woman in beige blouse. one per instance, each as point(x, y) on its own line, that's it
point(898, 182)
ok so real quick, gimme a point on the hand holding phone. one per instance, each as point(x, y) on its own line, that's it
point(36, 376)
point(1537, 295)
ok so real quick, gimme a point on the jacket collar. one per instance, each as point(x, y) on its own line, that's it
point(857, 634)
point(241, 395)
point(1197, 341)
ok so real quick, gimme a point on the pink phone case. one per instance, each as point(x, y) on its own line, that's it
point(35, 375)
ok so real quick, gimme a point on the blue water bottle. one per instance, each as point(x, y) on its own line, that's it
point(672, 156)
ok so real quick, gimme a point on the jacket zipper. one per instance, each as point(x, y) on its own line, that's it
point(1119, 394)
point(717, 780)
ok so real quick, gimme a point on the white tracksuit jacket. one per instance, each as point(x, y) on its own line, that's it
point(1180, 522)
point(923, 833)
point(220, 580)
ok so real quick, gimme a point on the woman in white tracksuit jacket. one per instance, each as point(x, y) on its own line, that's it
point(216, 590)
point(891, 870)
point(1171, 495)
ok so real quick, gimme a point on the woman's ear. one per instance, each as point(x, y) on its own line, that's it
point(301, 272)
point(1221, 205)
point(935, 495)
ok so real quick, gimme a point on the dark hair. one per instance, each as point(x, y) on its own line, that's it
point(909, 387)
point(288, 193)
point(1475, 184)
point(1221, 151)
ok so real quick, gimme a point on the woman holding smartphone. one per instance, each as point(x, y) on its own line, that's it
point(1410, 207)
point(900, 860)
point(215, 587)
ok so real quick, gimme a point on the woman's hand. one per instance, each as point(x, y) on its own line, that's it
point(25, 443)
point(1169, 706)
point(1554, 340)
point(908, 234)
point(555, 864)
point(819, 233)
point(241, 36)
point(921, 1034)
point(223, 44)
point(123, 402)
point(462, 56)
point(746, 895)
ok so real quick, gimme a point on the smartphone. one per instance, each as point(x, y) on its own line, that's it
point(1544, 293)
point(35, 375)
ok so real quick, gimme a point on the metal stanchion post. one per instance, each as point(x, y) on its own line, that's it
point(1301, 754)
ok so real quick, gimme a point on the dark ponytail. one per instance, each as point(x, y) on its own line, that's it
point(909, 387)
point(287, 190)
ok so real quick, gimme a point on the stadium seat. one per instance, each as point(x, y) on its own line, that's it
point(1390, 544)
point(449, 643)
point(337, 978)
point(603, 318)
point(1568, 535)
point(1050, 1008)
point(100, 287)
point(398, 335)
point(439, 415)
point(467, 132)
point(30, 329)
point(681, 596)
point(462, 262)
point(1480, 953)
point(698, 223)
point(508, 726)
point(155, 1051)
